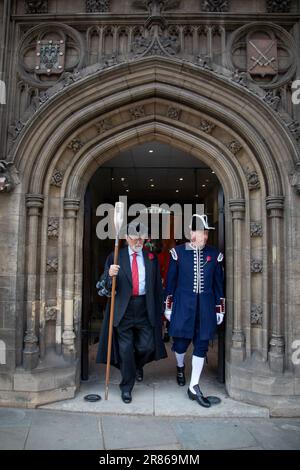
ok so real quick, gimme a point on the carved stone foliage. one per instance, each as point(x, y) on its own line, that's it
point(266, 53)
point(256, 314)
point(50, 57)
point(52, 265)
point(253, 180)
point(234, 146)
point(50, 313)
point(156, 7)
point(278, 6)
point(53, 227)
point(206, 126)
point(137, 112)
point(295, 178)
point(174, 113)
point(8, 176)
point(256, 229)
point(240, 78)
point(100, 6)
point(215, 5)
point(36, 6)
point(75, 144)
point(272, 99)
point(104, 125)
point(57, 178)
point(294, 128)
point(256, 266)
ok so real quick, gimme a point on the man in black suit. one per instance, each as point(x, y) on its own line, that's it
point(137, 337)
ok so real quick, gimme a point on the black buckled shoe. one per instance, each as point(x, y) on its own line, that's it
point(126, 397)
point(139, 375)
point(199, 397)
point(180, 376)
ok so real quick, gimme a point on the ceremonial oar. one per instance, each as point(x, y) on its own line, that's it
point(118, 221)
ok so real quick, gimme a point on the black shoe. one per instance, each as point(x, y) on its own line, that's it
point(126, 397)
point(139, 375)
point(199, 397)
point(180, 376)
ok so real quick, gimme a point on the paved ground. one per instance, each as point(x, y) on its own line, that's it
point(160, 417)
point(43, 429)
point(158, 394)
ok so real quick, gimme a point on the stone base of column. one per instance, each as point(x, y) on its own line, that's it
point(31, 358)
point(237, 355)
point(276, 362)
point(68, 347)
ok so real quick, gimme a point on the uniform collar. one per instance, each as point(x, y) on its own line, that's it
point(191, 246)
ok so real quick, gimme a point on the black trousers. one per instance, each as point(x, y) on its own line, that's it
point(136, 341)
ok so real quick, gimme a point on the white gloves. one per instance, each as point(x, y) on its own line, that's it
point(220, 317)
point(168, 309)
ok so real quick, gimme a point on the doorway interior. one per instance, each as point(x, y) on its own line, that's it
point(150, 173)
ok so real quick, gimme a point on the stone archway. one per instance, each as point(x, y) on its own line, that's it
point(207, 116)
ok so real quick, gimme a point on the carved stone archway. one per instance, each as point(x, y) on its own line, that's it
point(231, 130)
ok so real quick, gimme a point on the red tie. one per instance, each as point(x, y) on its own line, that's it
point(135, 275)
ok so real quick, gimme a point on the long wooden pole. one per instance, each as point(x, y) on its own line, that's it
point(111, 319)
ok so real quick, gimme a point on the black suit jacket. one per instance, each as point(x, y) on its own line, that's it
point(154, 291)
point(154, 302)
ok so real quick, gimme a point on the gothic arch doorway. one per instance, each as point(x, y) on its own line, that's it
point(150, 174)
point(207, 116)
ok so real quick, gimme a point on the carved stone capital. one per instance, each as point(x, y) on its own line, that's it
point(237, 208)
point(275, 206)
point(71, 207)
point(34, 204)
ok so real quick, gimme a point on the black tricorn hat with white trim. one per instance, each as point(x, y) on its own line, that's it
point(199, 222)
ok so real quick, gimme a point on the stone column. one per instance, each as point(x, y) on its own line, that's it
point(237, 208)
point(34, 203)
point(71, 207)
point(275, 207)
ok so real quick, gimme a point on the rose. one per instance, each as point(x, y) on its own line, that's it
point(208, 258)
point(151, 256)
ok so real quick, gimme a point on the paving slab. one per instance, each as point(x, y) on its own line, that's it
point(213, 434)
point(64, 431)
point(133, 432)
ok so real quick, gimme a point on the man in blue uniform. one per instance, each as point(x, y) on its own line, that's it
point(195, 301)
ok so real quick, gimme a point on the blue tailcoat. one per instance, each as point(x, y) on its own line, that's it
point(195, 279)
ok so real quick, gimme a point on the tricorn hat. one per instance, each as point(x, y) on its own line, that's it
point(199, 222)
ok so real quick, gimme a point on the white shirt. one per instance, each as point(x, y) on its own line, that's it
point(141, 269)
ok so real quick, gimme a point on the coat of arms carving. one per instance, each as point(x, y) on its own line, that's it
point(50, 57)
point(262, 56)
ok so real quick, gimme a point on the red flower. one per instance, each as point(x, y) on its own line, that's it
point(208, 258)
point(151, 256)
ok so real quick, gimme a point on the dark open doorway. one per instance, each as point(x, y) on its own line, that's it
point(151, 173)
